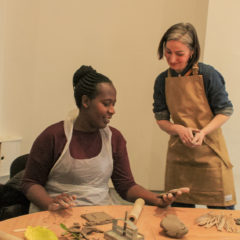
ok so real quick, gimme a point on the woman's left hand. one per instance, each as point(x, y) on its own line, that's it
point(198, 139)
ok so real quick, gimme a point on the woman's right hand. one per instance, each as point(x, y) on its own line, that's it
point(186, 135)
point(170, 196)
point(62, 201)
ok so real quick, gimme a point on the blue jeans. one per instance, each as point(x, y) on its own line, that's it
point(188, 205)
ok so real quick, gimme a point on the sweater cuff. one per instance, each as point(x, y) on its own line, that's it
point(163, 115)
point(228, 111)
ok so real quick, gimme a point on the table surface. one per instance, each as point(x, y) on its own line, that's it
point(148, 222)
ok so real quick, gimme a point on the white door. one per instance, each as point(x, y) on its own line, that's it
point(9, 151)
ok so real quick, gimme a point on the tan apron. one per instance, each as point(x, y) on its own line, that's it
point(206, 169)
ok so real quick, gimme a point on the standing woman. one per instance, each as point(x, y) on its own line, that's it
point(193, 95)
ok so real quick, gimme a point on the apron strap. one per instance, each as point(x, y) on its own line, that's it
point(169, 73)
point(194, 70)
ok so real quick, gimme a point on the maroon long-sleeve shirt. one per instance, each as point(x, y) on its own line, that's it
point(49, 145)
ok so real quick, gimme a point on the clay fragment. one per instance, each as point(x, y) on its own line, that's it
point(173, 227)
point(221, 223)
point(88, 230)
point(97, 218)
point(237, 221)
point(78, 232)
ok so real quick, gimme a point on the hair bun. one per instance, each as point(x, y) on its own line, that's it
point(82, 72)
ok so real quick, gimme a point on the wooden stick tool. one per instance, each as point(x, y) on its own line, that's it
point(7, 236)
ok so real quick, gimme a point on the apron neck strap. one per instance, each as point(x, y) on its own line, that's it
point(194, 70)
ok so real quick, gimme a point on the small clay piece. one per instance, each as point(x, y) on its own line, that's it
point(97, 218)
point(230, 224)
point(77, 232)
point(221, 223)
point(204, 219)
point(237, 221)
point(88, 230)
point(173, 227)
point(73, 232)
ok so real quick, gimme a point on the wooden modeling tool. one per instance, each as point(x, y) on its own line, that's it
point(136, 210)
point(174, 192)
point(7, 236)
point(125, 224)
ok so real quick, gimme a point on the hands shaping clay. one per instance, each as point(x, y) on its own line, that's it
point(173, 227)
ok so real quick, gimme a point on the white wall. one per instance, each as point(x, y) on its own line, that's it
point(44, 41)
point(222, 50)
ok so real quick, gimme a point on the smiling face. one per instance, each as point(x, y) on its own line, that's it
point(177, 55)
point(98, 111)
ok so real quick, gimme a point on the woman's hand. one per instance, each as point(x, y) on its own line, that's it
point(214, 124)
point(62, 201)
point(198, 138)
point(186, 135)
point(169, 197)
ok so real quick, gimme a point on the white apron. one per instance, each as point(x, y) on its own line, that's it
point(86, 178)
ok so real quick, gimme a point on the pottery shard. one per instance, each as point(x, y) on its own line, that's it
point(173, 227)
point(97, 218)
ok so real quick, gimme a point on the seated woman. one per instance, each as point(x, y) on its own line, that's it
point(72, 161)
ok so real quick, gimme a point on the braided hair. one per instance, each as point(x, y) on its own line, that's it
point(85, 81)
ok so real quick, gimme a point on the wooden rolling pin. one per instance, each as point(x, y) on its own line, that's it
point(136, 210)
point(7, 236)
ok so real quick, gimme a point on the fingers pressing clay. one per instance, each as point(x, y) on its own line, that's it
point(173, 227)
